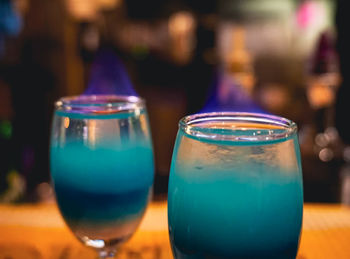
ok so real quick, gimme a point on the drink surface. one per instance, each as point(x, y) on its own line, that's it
point(232, 199)
point(102, 171)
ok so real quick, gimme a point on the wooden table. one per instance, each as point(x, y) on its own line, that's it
point(37, 231)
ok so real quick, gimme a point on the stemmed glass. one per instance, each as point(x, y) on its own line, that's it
point(102, 167)
point(235, 187)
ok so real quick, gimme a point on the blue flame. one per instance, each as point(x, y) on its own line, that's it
point(109, 76)
point(227, 95)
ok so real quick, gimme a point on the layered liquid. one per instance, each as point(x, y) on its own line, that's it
point(232, 199)
point(102, 175)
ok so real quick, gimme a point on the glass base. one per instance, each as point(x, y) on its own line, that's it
point(104, 248)
point(106, 254)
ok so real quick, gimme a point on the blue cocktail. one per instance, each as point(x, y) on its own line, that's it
point(102, 167)
point(235, 187)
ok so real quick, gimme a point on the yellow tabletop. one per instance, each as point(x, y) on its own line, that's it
point(37, 231)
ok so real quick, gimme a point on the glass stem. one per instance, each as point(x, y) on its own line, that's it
point(102, 254)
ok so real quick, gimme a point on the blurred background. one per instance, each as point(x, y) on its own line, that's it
point(283, 57)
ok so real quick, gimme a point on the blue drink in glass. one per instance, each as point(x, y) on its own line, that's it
point(235, 187)
point(102, 167)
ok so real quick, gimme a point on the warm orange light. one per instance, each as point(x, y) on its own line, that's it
point(321, 91)
point(66, 122)
point(239, 61)
point(82, 9)
point(180, 23)
point(21, 6)
point(92, 132)
point(181, 30)
point(108, 4)
point(88, 9)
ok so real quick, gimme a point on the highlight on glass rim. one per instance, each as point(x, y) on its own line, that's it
point(174, 129)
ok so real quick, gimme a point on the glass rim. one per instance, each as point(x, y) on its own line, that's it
point(267, 127)
point(99, 103)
